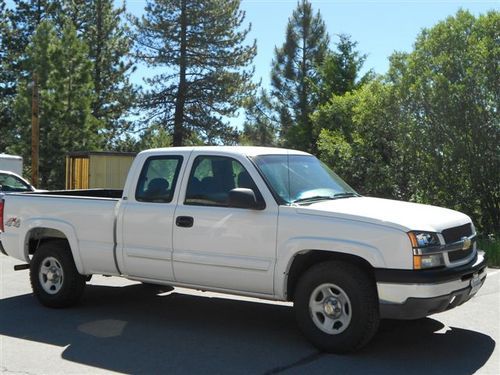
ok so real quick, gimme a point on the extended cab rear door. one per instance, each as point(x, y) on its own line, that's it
point(146, 216)
point(216, 245)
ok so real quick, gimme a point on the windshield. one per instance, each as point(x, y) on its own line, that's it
point(10, 183)
point(301, 178)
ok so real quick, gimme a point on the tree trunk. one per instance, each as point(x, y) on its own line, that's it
point(96, 110)
point(180, 100)
point(35, 132)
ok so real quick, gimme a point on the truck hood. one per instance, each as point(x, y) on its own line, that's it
point(405, 216)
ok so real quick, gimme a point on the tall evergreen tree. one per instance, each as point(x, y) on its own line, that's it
point(206, 76)
point(337, 76)
point(65, 95)
point(261, 125)
point(294, 71)
point(17, 25)
point(340, 71)
point(24, 19)
point(6, 78)
point(101, 26)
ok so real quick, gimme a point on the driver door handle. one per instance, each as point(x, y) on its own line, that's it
point(184, 221)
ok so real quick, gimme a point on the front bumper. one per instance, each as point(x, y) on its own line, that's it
point(409, 294)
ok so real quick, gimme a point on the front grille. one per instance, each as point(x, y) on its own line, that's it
point(455, 234)
point(455, 256)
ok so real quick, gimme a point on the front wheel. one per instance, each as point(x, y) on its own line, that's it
point(336, 306)
point(54, 278)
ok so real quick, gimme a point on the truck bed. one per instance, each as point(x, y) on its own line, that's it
point(89, 193)
point(91, 211)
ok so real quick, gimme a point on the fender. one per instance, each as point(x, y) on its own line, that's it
point(67, 229)
point(300, 245)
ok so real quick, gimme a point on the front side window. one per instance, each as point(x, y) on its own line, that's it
point(158, 179)
point(301, 178)
point(213, 177)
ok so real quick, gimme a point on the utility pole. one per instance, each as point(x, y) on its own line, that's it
point(35, 131)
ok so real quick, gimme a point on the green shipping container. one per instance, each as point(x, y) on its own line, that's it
point(93, 170)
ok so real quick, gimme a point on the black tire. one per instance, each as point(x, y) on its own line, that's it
point(361, 309)
point(70, 284)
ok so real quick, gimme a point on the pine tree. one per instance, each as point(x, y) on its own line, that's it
point(17, 26)
point(101, 27)
point(65, 95)
point(206, 75)
point(340, 71)
point(261, 126)
point(6, 79)
point(294, 71)
point(24, 19)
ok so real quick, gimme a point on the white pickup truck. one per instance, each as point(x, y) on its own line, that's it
point(264, 222)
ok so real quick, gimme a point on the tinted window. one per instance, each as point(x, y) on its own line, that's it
point(212, 177)
point(158, 179)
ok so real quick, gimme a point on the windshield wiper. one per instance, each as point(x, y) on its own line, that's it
point(314, 198)
point(345, 195)
point(325, 197)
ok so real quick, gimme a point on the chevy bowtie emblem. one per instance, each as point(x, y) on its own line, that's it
point(467, 243)
point(13, 222)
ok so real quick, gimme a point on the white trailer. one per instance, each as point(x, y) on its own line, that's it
point(12, 163)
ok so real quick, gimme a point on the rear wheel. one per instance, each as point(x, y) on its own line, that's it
point(54, 278)
point(336, 306)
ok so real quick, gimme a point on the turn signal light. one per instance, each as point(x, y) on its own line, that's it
point(417, 262)
point(413, 239)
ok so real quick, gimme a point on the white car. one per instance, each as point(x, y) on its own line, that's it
point(264, 222)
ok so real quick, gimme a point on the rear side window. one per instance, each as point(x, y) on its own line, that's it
point(158, 179)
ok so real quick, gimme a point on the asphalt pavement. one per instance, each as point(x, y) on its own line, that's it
point(126, 327)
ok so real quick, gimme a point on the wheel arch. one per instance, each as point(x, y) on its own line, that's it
point(39, 231)
point(306, 259)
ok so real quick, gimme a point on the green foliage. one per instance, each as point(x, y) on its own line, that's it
point(430, 131)
point(63, 74)
point(82, 78)
point(206, 76)
point(294, 69)
point(491, 246)
point(100, 25)
point(361, 140)
point(449, 91)
point(17, 25)
point(260, 127)
point(6, 92)
point(340, 70)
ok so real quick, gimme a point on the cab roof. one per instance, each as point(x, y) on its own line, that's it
point(228, 150)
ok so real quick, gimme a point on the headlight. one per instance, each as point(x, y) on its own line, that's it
point(420, 241)
point(423, 239)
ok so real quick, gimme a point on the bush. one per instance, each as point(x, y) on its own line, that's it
point(491, 245)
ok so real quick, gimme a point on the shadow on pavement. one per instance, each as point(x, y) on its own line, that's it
point(134, 329)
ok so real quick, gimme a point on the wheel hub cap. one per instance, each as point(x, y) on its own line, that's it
point(51, 275)
point(332, 307)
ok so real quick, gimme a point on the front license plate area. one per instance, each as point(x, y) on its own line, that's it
point(475, 284)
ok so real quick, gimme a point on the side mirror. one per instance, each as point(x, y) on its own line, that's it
point(244, 198)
